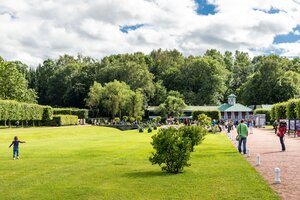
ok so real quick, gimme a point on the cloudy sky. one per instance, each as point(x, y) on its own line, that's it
point(33, 30)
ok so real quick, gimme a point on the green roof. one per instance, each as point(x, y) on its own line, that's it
point(188, 108)
point(234, 108)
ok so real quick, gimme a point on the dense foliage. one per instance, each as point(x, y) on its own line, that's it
point(62, 120)
point(173, 147)
point(201, 80)
point(194, 133)
point(213, 114)
point(286, 110)
point(80, 113)
point(172, 150)
point(13, 110)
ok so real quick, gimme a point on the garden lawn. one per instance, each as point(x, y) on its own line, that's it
point(105, 163)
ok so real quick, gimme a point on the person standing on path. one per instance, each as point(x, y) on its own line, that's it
point(16, 142)
point(242, 131)
point(281, 132)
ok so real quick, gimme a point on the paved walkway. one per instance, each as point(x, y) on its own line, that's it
point(266, 143)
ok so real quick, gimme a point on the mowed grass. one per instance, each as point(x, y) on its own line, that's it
point(105, 163)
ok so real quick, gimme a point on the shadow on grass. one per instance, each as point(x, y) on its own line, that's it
point(215, 154)
point(147, 174)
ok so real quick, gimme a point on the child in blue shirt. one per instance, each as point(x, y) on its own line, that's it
point(15, 143)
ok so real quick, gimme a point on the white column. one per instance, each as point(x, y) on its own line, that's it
point(225, 115)
point(240, 116)
point(232, 116)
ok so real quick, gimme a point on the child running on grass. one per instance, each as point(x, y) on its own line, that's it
point(16, 142)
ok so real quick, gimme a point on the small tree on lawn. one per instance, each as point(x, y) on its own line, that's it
point(194, 133)
point(204, 121)
point(172, 150)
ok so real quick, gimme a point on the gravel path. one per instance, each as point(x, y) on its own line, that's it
point(266, 143)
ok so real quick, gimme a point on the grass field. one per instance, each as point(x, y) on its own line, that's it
point(104, 163)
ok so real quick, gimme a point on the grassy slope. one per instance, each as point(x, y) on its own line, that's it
point(103, 163)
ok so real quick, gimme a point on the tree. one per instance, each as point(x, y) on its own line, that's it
point(172, 150)
point(173, 106)
point(116, 99)
point(129, 68)
point(13, 85)
point(202, 81)
point(270, 83)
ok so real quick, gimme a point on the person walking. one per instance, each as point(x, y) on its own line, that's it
point(15, 143)
point(281, 132)
point(242, 131)
point(250, 122)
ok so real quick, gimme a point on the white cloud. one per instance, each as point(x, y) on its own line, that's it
point(33, 30)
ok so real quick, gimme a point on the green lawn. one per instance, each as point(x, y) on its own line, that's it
point(104, 163)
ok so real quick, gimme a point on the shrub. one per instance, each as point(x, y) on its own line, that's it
point(194, 133)
point(204, 121)
point(131, 119)
point(125, 118)
point(158, 119)
point(291, 109)
point(62, 120)
point(141, 129)
point(154, 120)
point(139, 118)
point(81, 113)
point(272, 113)
point(267, 112)
point(297, 109)
point(280, 110)
point(172, 150)
point(149, 128)
point(117, 119)
point(47, 112)
point(213, 114)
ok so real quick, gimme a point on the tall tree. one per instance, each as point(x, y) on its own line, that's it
point(202, 81)
point(271, 83)
point(13, 84)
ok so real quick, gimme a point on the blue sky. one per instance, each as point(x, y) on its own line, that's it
point(97, 28)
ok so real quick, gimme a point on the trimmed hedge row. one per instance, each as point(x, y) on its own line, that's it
point(13, 110)
point(214, 114)
point(62, 120)
point(81, 113)
point(267, 112)
point(286, 110)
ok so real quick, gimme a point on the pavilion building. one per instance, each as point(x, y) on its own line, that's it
point(229, 111)
point(233, 110)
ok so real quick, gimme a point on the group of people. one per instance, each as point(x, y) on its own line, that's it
point(242, 131)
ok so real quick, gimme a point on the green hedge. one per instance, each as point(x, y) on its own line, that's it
point(13, 110)
point(62, 120)
point(272, 113)
point(214, 114)
point(81, 113)
point(280, 110)
point(291, 109)
point(297, 109)
point(267, 112)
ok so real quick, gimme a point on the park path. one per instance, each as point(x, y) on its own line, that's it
point(266, 143)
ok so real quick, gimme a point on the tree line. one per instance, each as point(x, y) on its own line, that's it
point(150, 79)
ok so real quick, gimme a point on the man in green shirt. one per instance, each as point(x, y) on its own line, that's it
point(242, 130)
